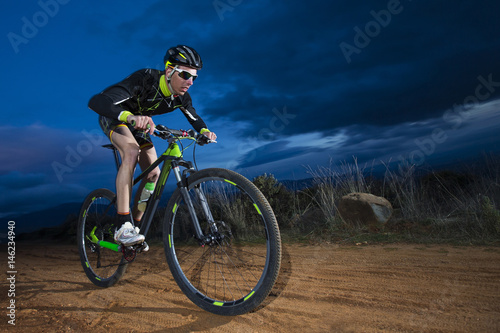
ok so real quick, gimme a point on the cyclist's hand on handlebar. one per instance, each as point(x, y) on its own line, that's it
point(206, 137)
point(210, 135)
point(144, 123)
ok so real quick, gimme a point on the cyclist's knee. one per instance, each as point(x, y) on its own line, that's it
point(130, 153)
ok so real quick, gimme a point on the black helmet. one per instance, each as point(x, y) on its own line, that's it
point(184, 56)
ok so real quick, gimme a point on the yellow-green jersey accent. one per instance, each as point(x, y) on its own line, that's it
point(124, 115)
point(164, 87)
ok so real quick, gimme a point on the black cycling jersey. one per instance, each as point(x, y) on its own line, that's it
point(140, 94)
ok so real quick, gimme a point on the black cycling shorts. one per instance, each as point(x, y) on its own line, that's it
point(108, 125)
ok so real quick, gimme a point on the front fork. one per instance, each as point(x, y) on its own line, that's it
point(202, 200)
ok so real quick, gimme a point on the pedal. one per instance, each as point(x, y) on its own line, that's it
point(129, 253)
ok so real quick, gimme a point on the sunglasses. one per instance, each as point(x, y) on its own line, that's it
point(185, 75)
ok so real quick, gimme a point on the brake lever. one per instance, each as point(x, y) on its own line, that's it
point(161, 132)
point(161, 128)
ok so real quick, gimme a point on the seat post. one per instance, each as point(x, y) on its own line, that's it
point(115, 153)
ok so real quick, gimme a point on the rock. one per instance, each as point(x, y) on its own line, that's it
point(365, 208)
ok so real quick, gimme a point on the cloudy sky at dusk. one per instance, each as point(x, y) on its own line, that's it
point(286, 85)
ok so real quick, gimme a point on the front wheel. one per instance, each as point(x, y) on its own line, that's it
point(104, 267)
point(233, 268)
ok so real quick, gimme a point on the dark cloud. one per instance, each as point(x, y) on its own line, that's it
point(272, 152)
point(47, 166)
point(433, 139)
point(262, 59)
point(421, 63)
point(17, 180)
point(264, 55)
point(41, 147)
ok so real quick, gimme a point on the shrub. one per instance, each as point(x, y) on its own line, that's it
point(279, 197)
point(490, 215)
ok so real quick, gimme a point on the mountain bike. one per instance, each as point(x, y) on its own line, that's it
point(220, 236)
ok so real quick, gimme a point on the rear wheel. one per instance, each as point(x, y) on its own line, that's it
point(232, 270)
point(104, 267)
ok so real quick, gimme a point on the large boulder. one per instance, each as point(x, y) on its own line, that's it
point(365, 208)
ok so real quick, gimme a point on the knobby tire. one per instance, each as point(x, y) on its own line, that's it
point(235, 272)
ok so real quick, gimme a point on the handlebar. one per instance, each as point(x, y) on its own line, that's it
point(165, 133)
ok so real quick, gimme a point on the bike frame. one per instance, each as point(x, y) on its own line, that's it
point(172, 161)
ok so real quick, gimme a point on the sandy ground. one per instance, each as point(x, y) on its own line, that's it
point(330, 288)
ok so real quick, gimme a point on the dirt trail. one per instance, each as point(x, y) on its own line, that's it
point(402, 288)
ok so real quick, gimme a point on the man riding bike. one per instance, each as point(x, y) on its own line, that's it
point(125, 111)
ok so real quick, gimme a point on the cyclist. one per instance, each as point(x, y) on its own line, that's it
point(125, 111)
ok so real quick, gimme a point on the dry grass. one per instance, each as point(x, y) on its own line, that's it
point(459, 207)
point(431, 206)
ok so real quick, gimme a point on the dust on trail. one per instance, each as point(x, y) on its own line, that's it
point(373, 288)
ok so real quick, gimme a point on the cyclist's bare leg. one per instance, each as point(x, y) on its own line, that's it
point(126, 144)
point(146, 158)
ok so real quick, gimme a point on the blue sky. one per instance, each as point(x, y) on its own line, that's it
point(286, 85)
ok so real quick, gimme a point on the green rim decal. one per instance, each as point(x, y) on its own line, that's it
point(85, 212)
point(175, 208)
point(249, 295)
point(86, 263)
point(169, 241)
point(97, 278)
point(258, 210)
point(218, 303)
point(230, 182)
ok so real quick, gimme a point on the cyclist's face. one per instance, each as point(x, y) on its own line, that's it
point(180, 85)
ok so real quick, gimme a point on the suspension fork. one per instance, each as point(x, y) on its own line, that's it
point(181, 180)
point(206, 208)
